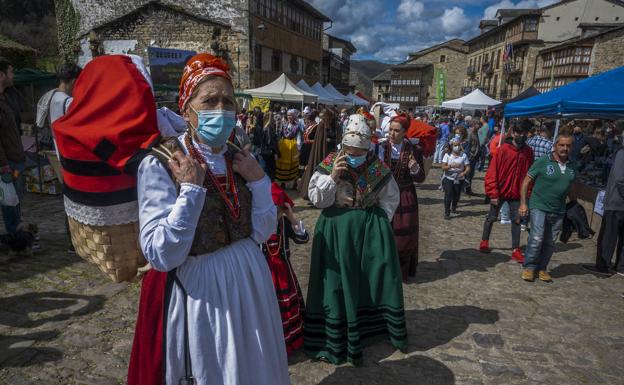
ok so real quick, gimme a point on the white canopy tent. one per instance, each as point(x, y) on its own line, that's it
point(321, 98)
point(476, 100)
point(322, 93)
point(356, 100)
point(283, 89)
point(333, 92)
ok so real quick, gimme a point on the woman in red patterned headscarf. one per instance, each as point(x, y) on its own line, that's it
point(406, 161)
point(208, 310)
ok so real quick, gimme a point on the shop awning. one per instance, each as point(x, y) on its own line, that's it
point(598, 97)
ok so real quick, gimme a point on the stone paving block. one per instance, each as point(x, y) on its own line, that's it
point(471, 319)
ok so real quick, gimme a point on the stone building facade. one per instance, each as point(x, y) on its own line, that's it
point(260, 39)
point(409, 84)
point(337, 62)
point(608, 51)
point(449, 59)
point(598, 49)
point(159, 25)
point(381, 86)
point(526, 35)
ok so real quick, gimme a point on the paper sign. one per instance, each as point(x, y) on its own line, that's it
point(599, 205)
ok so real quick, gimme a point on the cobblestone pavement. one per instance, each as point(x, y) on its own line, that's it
point(471, 319)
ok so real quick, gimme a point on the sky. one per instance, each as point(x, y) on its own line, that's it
point(388, 30)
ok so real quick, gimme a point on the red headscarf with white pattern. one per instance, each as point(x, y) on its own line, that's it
point(197, 69)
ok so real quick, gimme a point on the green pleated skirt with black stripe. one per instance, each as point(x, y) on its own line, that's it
point(355, 297)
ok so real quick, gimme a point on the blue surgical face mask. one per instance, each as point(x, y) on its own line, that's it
point(215, 126)
point(355, 161)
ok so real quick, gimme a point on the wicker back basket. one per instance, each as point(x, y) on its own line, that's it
point(114, 249)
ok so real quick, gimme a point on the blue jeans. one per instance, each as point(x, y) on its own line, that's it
point(545, 229)
point(12, 216)
point(439, 151)
point(505, 213)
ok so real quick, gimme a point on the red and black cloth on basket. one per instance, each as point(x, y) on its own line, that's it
point(108, 129)
point(277, 252)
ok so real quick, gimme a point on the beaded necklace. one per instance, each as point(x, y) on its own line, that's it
point(233, 205)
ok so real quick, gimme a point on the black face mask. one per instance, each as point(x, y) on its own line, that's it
point(520, 140)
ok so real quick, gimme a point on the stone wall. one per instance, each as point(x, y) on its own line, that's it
point(361, 83)
point(608, 52)
point(455, 67)
point(164, 27)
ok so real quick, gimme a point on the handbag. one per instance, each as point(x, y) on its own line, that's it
point(8, 195)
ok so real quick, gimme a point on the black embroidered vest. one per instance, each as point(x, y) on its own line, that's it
point(215, 228)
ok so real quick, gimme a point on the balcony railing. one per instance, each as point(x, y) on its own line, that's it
point(488, 68)
point(512, 68)
point(471, 71)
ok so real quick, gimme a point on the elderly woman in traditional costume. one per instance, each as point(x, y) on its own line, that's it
point(355, 296)
point(406, 162)
point(287, 167)
point(208, 311)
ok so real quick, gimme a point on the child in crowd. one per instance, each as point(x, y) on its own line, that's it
point(455, 166)
point(277, 252)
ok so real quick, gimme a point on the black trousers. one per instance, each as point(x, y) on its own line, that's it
point(269, 161)
point(452, 193)
point(610, 240)
point(471, 174)
point(492, 216)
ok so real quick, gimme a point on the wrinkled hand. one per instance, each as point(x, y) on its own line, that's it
point(340, 165)
point(413, 165)
point(247, 166)
point(185, 169)
point(523, 210)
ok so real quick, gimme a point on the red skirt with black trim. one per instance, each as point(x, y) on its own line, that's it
point(289, 296)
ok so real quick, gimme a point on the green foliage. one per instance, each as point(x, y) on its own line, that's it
point(67, 29)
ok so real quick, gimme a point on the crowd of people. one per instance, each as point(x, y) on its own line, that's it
point(221, 300)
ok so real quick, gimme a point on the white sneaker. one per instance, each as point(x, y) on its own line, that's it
point(505, 221)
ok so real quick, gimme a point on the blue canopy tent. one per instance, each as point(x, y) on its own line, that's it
point(598, 97)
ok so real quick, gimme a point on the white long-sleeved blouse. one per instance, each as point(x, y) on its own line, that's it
point(322, 193)
point(168, 220)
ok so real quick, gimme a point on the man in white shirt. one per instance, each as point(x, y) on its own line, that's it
point(62, 98)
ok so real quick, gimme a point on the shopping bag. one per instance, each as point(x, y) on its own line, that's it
point(8, 195)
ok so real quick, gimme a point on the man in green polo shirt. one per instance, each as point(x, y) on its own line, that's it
point(552, 176)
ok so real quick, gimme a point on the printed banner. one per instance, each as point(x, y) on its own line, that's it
point(440, 78)
point(166, 65)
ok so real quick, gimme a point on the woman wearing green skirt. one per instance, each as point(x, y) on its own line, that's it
point(355, 297)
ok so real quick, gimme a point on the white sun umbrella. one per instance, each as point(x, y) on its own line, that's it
point(337, 95)
point(322, 93)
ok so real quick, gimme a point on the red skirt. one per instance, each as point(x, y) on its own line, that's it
point(146, 360)
point(289, 296)
point(405, 226)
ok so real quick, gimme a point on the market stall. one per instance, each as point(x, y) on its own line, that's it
point(322, 93)
point(596, 97)
point(333, 92)
point(321, 98)
point(476, 100)
point(357, 101)
point(282, 89)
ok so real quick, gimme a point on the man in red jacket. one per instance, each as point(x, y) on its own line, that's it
point(502, 184)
